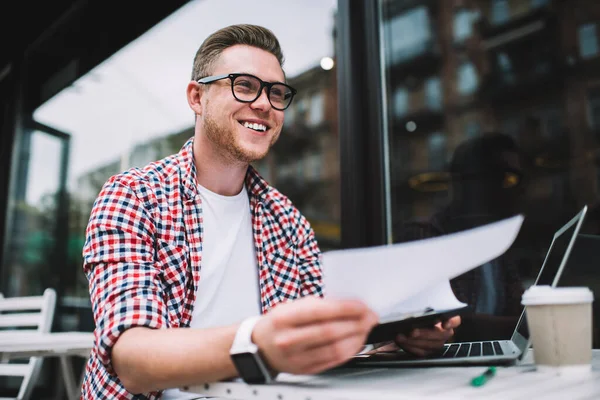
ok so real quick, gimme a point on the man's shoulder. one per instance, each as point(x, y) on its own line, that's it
point(161, 174)
point(279, 203)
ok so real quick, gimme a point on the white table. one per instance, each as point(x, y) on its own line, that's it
point(448, 383)
point(53, 344)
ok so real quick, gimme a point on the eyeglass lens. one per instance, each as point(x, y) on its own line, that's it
point(246, 88)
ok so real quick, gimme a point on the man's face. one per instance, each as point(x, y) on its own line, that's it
point(223, 117)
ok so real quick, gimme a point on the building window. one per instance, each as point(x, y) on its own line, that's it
point(463, 25)
point(594, 108)
point(506, 68)
point(315, 116)
point(290, 114)
point(551, 121)
point(433, 93)
point(467, 79)
point(301, 110)
point(588, 40)
point(411, 33)
point(539, 3)
point(437, 151)
point(500, 11)
point(400, 102)
point(472, 129)
point(313, 165)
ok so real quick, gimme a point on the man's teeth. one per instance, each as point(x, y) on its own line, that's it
point(255, 126)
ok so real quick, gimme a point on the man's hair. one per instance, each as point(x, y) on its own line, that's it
point(245, 34)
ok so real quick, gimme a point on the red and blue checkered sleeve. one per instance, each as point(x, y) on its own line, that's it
point(124, 280)
point(309, 259)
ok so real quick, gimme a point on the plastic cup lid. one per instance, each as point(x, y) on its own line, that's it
point(543, 294)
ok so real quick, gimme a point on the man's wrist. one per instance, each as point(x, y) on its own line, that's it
point(247, 357)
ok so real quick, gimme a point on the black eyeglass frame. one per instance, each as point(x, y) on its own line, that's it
point(263, 84)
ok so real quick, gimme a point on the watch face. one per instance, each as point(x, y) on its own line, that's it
point(248, 367)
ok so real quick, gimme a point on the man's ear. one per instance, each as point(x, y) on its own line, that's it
point(194, 92)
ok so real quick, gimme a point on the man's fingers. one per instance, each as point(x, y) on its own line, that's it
point(436, 333)
point(311, 310)
point(452, 323)
point(317, 335)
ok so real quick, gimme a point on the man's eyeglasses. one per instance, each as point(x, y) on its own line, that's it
point(247, 88)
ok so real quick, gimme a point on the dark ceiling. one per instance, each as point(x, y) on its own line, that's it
point(23, 21)
point(80, 33)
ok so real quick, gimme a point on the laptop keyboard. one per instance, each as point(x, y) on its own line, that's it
point(472, 349)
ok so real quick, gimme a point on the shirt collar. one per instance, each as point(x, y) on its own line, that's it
point(256, 185)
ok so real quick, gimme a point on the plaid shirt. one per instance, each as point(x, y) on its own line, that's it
point(143, 256)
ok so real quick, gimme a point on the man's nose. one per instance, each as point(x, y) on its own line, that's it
point(262, 102)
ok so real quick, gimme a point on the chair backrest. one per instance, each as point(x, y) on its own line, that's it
point(17, 316)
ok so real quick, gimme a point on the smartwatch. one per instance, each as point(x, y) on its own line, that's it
point(246, 356)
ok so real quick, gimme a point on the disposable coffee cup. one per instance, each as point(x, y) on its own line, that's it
point(560, 327)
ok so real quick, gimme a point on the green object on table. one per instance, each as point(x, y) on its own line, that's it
point(480, 380)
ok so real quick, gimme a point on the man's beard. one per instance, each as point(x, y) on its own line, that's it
point(225, 142)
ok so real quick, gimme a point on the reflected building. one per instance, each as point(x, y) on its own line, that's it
point(521, 71)
point(458, 69)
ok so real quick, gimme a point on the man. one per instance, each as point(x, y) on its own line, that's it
point(200, 241)
point(487, 185)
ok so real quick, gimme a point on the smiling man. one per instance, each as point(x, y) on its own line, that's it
point(198, 269)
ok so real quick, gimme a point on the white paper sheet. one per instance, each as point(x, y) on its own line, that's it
point(384, 277)
point(439, 297)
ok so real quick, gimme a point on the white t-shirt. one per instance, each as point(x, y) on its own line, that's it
point(228, 291)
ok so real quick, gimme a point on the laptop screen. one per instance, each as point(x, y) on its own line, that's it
point(557, 255)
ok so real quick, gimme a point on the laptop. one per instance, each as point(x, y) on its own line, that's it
point(496, 352)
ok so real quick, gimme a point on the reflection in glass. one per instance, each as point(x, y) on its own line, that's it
point(467, 78)
point(462, 25)
point(433, 92)
point(437, 151)
point(588, 40)
point(412, 31)
point(500, 11)
point(594, 108)
point(400, 102)
point(518, 132)
point(33, 231)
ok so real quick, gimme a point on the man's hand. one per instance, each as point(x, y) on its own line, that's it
point(423, 342)
point(311, 334)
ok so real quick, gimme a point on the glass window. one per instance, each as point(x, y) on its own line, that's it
point(552, 121)
point(412, 33)
point(316, 109)
point(433, 93)
point(463, 25)
point(290, 114)
point(506, 67)
point(588, 40)
point(437, 151)
point(472, 129)
point(594, 108)
point(34, 211)
point(500, 11)
point(498, 149)
point(301, 109)
point(400, 102)
point(467, 78)
point(539, 3)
